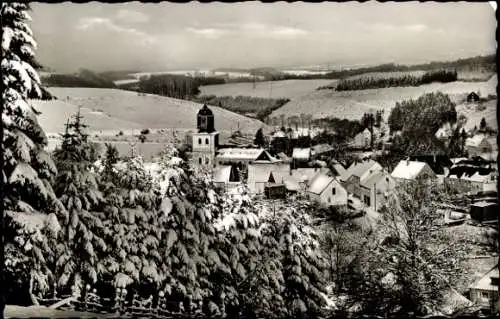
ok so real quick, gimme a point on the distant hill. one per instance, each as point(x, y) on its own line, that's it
point(113, 109)
point(83, 78)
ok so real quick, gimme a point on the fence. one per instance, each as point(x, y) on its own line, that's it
point(137, 308)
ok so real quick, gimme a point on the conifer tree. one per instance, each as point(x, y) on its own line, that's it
point(27, 170)
point(76, 185)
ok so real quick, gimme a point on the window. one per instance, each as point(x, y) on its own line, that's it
point(484, 295)
point(206, 141)
point(367, 200)
point(333, 191)
point(207, 160)
point(329, 200)
point(199, 141)
point(199, 160)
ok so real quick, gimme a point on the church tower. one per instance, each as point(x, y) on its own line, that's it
point(206, 140)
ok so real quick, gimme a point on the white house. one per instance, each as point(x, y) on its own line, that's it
point(301, 154)
point(260, 171)
point(363, 139)
point(478, 145)
point(412, 171)
point(376, 187)
point(327, 190)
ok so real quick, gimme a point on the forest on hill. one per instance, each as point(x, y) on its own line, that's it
point(365, 83)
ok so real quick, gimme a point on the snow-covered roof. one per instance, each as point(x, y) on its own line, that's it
point(361, 169)
point(290, 181)
point(485, 282)
point(241, 153)
point(341, 171)
point(304, 174)
point(319, 183)
point(279, 134)
point(408, 169)
point(476, 140)
point(259, 173)
point(222, 174)
point(301, 153)
point(374, 178)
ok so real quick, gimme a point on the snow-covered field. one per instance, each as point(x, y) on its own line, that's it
point(112, 109)
point(291, 89)
point(353, 104)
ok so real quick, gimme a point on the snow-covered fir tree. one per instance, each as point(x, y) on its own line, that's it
point(78, 253)
point(29, 203)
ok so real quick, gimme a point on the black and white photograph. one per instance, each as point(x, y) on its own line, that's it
point(244, 160)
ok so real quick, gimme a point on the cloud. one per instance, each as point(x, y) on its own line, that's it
point(92, 23)
point(249, 29)
point(415, 27)
point(132, 16)
point(210, 33)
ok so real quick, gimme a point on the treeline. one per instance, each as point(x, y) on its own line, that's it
point(84, 78)
point(365, 83)
point(256, 107)
point(478, 63)
point(176, 86)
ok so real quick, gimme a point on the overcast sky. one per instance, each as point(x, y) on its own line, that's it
point(169, 36)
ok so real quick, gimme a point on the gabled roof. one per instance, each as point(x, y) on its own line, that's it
point(339, 169)
point(360, 169)
point(319, 183)
point(408, 169)
point(374, 178)
point(259, 173)
point(290, 181)
point(301, 153)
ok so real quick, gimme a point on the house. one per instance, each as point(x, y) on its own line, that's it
point(301, 156)
point(478, 145)
point(484, 292)
point(259, 172)
point(412, 170)
point(375, 188)
point(363, 139)
point(327, 190)
point(471, 179)
point(358, 171)
point(472, 97)
point(439, 163)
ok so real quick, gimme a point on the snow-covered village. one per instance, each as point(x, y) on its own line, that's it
point(248, 160)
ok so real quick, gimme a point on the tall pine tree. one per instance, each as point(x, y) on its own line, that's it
point(27, 170)
point(76, 185)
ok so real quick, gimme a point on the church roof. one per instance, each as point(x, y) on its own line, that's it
point(205, 111)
